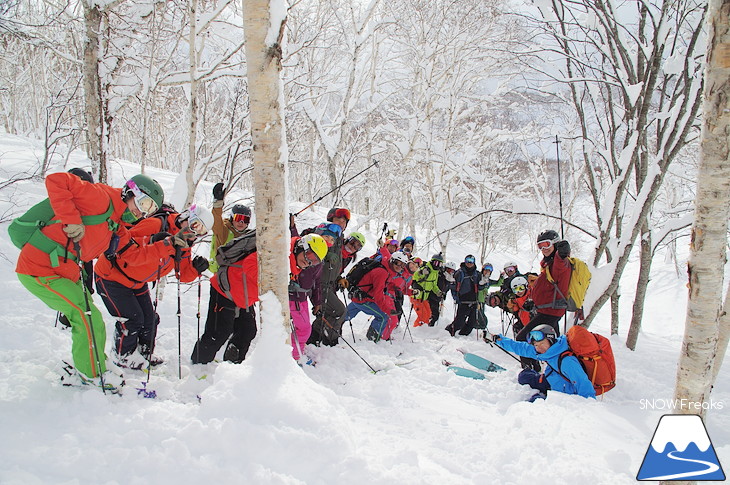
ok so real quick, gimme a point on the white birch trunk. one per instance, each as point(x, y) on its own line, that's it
point(263, 33)
point(193, 107)
point(712, 209)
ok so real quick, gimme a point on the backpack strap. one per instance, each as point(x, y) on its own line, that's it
point(53, 248)
point(560, 363)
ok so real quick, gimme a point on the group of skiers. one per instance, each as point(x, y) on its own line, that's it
point(137, 239)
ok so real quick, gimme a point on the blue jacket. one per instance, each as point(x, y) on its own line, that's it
point(570, 367)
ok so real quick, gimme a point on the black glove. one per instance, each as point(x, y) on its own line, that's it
point(200, 264)
point(563, 249)
point(218, 191)
point(394, 312)
point(528, 305)
point(159, 236)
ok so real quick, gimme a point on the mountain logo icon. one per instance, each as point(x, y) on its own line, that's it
point(681, 450)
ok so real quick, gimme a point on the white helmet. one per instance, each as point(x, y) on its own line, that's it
point(198, 212)
point(399, 256)
point(508, 264)
point(450, 265)
point(518, 283)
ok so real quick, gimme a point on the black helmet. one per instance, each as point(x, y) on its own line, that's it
point(241, 209)
point(82, 174)
point(548, 235)
point(437, 257)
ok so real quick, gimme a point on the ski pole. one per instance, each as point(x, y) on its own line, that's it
point(349, 320)
point(179, 314)
point(375, 162)
point(77, 247)
point(348, 344)
point(408, 327)
point(156, 318)
point(492, 344)
point(198, 314)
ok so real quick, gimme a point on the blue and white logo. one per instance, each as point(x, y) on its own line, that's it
point(681, 450)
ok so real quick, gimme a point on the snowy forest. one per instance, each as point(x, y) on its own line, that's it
point(473, 125)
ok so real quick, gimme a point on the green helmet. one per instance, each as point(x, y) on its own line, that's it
point(359, 237)
point(149, 186)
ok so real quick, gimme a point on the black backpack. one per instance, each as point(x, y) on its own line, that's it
point(363, 267)
point(232, 253)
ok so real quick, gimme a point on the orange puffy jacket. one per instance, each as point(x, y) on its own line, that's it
point(143, 262)
point(70, 199)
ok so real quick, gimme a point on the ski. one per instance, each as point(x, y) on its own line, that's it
point(481, 363)
point(463, 372)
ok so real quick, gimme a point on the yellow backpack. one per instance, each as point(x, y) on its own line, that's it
point(580, 279)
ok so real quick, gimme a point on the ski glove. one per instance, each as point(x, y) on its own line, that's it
point(528, 305)
point(563, 248)
point(218, 192)
point(200, 264)
point(449, 277)
point(176, 241)
point(159, 236)
point(74, 231)
point(342, 283)
point(394, 312)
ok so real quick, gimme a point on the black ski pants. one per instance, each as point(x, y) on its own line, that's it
point(225, 321)
point(327, 326)
point(435, 303)
point(136, 318)
point(465, 320)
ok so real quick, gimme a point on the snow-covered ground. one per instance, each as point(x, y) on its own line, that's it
point(268, 421)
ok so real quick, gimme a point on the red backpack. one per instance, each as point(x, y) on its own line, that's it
point(594, 353)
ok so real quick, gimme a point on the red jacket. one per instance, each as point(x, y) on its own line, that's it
point(244, 278)
point(143, 262)
point(543, 292)
point(373, 283)
point(70, 199)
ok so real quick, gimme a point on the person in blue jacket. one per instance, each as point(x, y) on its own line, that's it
point(562, 375)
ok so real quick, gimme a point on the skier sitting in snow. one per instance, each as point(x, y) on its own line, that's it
point(564, 373)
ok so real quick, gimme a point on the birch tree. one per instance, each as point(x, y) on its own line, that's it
point(264, 22)
point(701, 353)
point(633, 78)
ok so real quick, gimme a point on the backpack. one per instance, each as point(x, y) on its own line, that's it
point(594, 353)
point(363, 267)
point(232, 253)
point(580, 279)
point(26, 229)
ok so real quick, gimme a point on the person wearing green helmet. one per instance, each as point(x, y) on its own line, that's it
point(80, 221)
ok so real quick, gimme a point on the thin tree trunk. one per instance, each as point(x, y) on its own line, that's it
point(641, 286)
point(263, 58)
point(193, 107)
point(615, 300)
point(708, 251)
point(92, 87)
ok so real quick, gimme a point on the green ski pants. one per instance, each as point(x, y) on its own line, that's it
point(67, 297)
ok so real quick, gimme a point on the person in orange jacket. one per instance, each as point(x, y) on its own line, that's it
point(231, 313)
point(85, 218)
point(158, 245)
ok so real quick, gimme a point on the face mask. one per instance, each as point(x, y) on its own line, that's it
point(128, 217)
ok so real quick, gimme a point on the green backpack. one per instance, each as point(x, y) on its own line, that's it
point(26, 229)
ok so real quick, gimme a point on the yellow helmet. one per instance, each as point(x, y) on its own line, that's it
point(316, 243)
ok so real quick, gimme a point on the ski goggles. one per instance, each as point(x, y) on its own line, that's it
point(196, 225)
point(328, 229)
point(545, 244)
point(341, 213)
point(435, 263)
point(510, 269)
point(519, 288)
point(312, 257)
point(241, 218)
point(354, 244)
point(470, 259)
point(488, 267)
point(536, 336)
point(145, 204)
